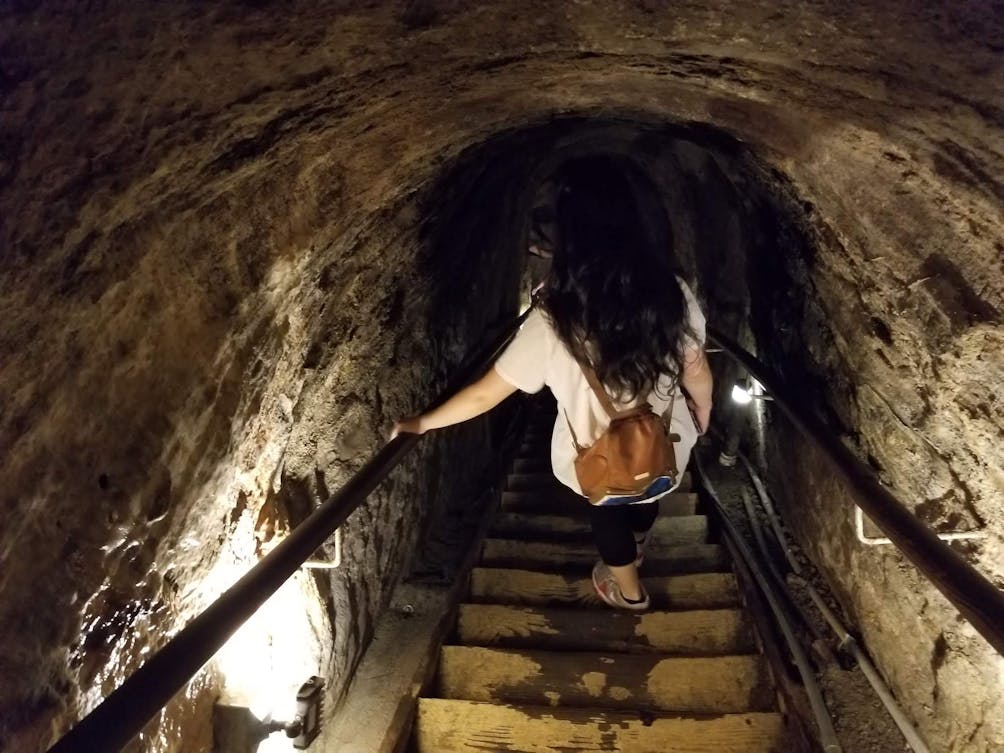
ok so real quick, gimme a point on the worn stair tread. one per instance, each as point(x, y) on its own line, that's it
point(534, 447)
point(563, 501)
point(707, 685)
point(541, 481)
point(668, 529)
point(703, 632)
point(453, 726)
point(571, 557)
point(532, 588)
point(528, 466)
point(536, 434)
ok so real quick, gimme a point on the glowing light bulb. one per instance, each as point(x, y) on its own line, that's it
point(740, 394)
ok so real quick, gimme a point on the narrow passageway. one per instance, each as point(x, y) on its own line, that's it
point(239, 239)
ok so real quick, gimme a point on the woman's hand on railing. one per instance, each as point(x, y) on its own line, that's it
point(701, 415)
point(698, 384)
point(473, 400)
point(411, 425)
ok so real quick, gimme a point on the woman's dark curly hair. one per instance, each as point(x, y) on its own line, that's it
point(612, 294)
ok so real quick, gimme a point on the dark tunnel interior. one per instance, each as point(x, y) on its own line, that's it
point(238, 241)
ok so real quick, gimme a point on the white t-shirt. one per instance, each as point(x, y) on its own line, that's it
point(536, 357)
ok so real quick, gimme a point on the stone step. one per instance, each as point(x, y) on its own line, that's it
point(565, 502)
point(525, 466)
point(511, 586)
point(543, 419)
point(703, 685)
point(668, 530)
point(539, 481)
point(535, 447)
point(540, 555)
point(528, 465)
point(705, 632)
point(450, 726)
point(539, 432)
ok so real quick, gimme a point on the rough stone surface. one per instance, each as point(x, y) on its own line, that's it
point(238, 238)
point(917, 399)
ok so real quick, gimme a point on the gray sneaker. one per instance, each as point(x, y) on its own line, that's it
point(607, 589)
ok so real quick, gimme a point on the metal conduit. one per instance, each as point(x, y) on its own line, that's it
point(827, 734)
point(124, 713)
point(847, 641)
point(979, 601)
point(779, 579)
point(818, 636)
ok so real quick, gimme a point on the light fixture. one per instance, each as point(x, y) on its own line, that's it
point(745, 392)
point(236, 729)
point(307, 722)
point(741, 393)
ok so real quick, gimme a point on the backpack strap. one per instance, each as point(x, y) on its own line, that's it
point(598, 390)
point(605, 401)
point(603, 397)
point(575, 439)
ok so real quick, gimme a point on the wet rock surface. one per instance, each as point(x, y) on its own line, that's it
point(225, 269)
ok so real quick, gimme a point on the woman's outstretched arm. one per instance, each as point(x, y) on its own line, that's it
point(698, 383)
point(478, 398)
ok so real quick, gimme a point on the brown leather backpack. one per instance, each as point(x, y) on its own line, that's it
point(632, 460)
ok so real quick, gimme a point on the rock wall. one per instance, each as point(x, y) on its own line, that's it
point(927, 418)
point(222, 277)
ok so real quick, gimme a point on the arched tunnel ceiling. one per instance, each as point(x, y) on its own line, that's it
point(201, 206)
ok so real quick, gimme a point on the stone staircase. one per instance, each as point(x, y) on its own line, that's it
point(538, 664)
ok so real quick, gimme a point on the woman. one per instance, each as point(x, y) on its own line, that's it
point(611, 300)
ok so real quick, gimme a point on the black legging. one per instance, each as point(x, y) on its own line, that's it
point(614, 530)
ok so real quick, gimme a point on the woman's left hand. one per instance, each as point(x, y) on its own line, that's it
point(702, 417)
point(471, 401)
point(407, 426)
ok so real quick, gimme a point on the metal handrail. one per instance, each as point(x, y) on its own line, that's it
point(124, 713)
point(979, 601)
